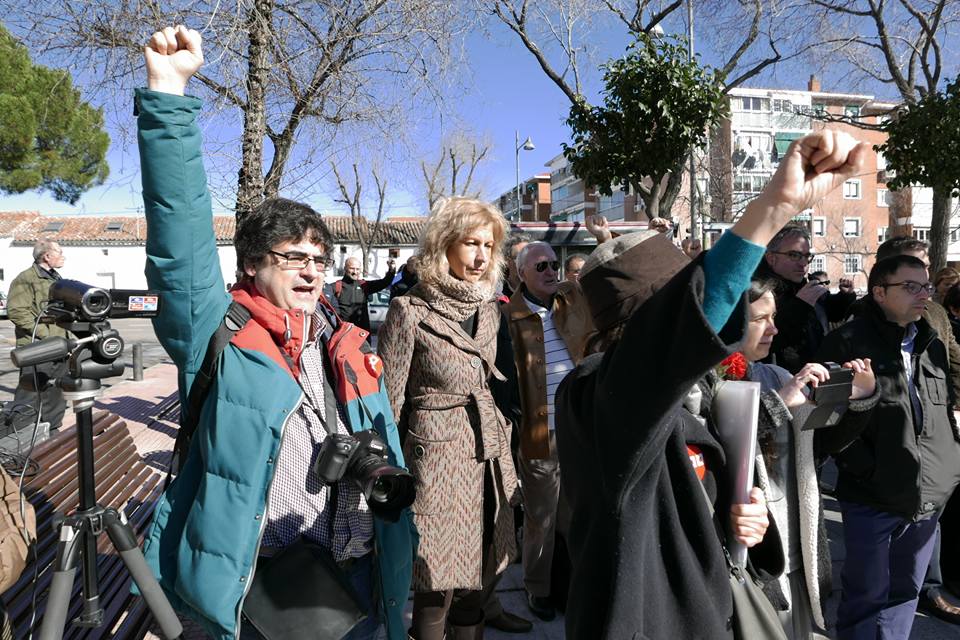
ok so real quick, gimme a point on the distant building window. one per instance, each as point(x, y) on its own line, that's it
point(882, 234)
point(851, 227)
point(819, 263)
point(54, 227)
point(922, 233)
point(852, 263)
point(819, 227)
point(851, 189)
point(755, 104)
point(114, 226)
point(851, 111)
point(883, 198)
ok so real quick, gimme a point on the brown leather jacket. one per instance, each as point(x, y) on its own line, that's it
point(572, 320)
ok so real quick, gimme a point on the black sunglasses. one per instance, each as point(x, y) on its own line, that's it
point(543, 264)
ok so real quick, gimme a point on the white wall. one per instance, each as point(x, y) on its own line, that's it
point(122, 267)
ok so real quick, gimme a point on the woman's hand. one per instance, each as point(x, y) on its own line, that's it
point(172, 56)
point(864, 380)
point(792, 393)
point(749, 522)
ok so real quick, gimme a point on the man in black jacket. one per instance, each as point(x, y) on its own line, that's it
point(898, 469)
point(804, 308)
point(351, 292)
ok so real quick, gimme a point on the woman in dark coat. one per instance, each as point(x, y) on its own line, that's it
point(647, 562)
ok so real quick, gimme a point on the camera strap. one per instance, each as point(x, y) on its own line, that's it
point(235, 319)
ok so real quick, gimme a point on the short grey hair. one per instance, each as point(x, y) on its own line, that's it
point(513, 240)
point(43, 246)
point(572, 257)
point(788, 232)
point(525, 252)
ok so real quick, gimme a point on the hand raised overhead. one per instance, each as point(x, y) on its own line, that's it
point(813, 166)
point(172, 55)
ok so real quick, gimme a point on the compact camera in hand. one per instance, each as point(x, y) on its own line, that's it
point(362, 459)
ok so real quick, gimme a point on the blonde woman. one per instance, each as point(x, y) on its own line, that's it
point(438, 345)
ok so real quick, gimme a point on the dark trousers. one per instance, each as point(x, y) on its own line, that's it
point(52, 405)
point(887, 557)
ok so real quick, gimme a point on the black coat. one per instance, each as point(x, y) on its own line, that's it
point(800, 326)
point(647, 562)
point(887, 462)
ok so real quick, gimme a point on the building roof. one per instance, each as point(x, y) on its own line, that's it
point(26, 227)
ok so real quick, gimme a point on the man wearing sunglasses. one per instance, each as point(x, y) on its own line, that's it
point(899, 467)
point(805, 306)
point(549, 326)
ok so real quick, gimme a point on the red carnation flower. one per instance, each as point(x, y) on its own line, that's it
point(733, 367)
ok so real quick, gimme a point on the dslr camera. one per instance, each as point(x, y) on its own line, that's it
point(362, 459)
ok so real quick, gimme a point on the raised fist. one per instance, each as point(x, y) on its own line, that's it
point(172, 56)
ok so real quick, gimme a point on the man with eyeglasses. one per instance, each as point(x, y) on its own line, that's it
point(898, 468)
point(805, 307)
point(549, 326)
point(29, 294)
point(248, 494)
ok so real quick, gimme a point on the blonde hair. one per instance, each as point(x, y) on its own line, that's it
point(451, 219)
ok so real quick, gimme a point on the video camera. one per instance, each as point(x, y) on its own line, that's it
point(362, 458)
point(84, 302)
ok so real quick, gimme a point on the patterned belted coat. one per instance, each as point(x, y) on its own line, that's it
point(437, 379)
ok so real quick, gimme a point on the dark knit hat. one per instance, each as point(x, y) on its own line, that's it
point(622, 274)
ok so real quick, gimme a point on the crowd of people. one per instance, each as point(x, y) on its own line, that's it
point(571, 401)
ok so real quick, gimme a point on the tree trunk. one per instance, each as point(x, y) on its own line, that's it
point(250, 179)
point(939, 229)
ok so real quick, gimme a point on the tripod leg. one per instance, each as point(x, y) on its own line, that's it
point(64, 571)
point(125, 541)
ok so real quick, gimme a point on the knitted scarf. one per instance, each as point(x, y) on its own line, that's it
point(453, 298)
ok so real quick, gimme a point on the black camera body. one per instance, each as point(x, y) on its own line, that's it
point(362, 459)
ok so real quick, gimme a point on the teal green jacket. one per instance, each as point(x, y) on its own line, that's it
point(207, 527)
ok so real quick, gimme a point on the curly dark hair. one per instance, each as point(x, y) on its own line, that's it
point(275, 221)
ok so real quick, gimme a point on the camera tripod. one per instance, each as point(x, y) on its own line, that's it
point(91, 358)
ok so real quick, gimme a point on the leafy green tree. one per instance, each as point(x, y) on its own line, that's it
point(923, 147)
point(50, 139)
point(656, 106)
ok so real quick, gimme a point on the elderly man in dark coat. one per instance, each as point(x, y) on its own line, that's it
point(647, 561)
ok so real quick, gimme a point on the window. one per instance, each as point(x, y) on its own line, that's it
point(851, 227)
point(819, 263)
point(922, 233)
point(783, 105)
point(852, 263)
point(114, 226)
point(755, 104)
point(851, 111)
point(851, 189)
point(819, 228)
point(883, 198)
point(54, 227)
point(882, 234)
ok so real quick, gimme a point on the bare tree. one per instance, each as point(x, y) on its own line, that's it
point(367, 227)
point(900, 44)
point(284, 66)
point(555, 32)
point(454, 173)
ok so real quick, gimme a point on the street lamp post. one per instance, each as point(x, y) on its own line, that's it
point(526, 146)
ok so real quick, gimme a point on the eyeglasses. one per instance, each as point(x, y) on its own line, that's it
point(913, 288)
point(296, 260)
point(796, 256)
point(543, 264)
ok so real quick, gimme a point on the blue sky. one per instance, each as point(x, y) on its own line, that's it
point(505, 91)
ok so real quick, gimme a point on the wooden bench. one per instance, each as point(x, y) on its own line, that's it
point(122, 481)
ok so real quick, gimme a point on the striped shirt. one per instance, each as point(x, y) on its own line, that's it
point(557, 361)
point(299, 504)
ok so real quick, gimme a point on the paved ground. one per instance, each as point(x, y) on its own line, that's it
point(161, 380)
